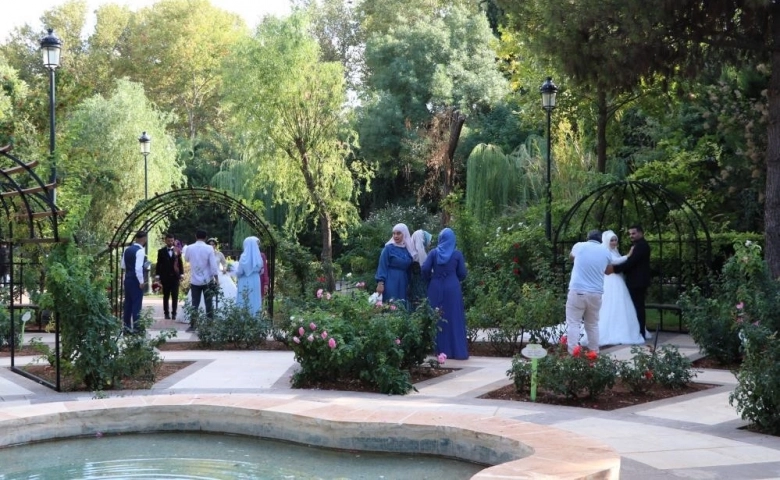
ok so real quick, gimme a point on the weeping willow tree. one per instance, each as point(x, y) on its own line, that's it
point(493, 181)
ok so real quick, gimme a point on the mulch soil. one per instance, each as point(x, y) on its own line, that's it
point(711, 363)
point(618, 397)
point(68, 384)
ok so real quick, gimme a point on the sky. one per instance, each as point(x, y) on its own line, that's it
point(15, 13)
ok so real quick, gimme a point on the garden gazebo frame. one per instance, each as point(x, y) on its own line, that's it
point(678, 236)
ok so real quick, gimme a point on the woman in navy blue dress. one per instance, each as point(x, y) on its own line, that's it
point(393, 272)
point(444, 269)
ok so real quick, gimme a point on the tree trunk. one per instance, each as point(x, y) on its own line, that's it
point(327, 251)
point(772, 198)
point(457, 120)
point(601, 131)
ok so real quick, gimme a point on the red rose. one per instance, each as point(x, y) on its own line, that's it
point(516, 271)
point(577, 351)
point(516, 245)
point(592, 355)
point(564, 340)
point(649, 374)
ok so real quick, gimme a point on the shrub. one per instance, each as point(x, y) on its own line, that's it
point(757, 395)
point(744, 290)
point(5, 329)
point(573, 375)
point(638, 374)
point(520, 373)
point(232, 326)
point(672, 369)
point(344, 338)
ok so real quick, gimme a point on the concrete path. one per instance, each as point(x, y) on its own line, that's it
point(696, 436)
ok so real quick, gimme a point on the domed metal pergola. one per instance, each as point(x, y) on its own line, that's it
point(681, 248)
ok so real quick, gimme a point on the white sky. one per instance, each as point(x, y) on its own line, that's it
point(15, 13)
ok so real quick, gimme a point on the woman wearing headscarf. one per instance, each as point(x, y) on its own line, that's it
point(393, 271)
point(421, 240)
point(249, 269)
point(617, 317)
point(444, 269)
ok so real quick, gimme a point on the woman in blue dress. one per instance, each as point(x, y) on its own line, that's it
point(250, 266)
point(393, 272)
point(444, 269)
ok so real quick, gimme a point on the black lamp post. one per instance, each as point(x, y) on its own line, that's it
point(50, 49)
point(146, 144)
point(548, 90)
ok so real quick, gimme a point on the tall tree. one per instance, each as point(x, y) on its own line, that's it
point(292, 103)
point(175, 48)
point(417, 74)
point(103, 170)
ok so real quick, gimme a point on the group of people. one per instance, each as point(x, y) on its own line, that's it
point(407, 273)
point(607, 291)
point(208, 274)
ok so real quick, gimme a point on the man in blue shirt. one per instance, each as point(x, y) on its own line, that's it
point(133, 264)
point(586, 286)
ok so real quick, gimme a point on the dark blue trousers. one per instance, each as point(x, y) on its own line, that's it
point(134, 297)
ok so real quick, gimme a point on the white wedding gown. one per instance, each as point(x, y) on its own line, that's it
point(618, 324)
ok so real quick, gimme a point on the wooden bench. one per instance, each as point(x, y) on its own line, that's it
point(666, 307)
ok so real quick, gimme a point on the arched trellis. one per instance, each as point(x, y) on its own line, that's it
point(27, 204)
point(677, 234)
point(151, 212)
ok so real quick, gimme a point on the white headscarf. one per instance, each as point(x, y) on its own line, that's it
point(251, 261)
point(606, 237)
point(420, 239)
point(406, 241)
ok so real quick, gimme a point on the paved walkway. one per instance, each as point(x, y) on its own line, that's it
point(693, 436)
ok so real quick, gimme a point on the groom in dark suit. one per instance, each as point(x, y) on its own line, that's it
point(169, 270)
point(637, 273)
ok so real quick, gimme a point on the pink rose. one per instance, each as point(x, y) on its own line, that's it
point(296, 340)
point(324, 334)
point(740, 306)
point(327, 296)
point(378, 303)
point(310, 338)
point(393, 307)
point(319, 293)
point(441, 358)
point(301, 331)
point(397, 341)
point(332, 343)
point(313, 326)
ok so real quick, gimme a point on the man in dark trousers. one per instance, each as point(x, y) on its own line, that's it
point(169, 271)
point(133, 264)
point(637, 273)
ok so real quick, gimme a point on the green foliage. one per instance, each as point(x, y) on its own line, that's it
point(5, 330)
point(744, 291)
point(672, 369)
point(344, 338)
point(646, 368)
point(568, 375)
point(757, 395)
point(638, 373)
point(92, 345)
point(231, 327)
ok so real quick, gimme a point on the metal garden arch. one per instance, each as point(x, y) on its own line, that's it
point(175, 202)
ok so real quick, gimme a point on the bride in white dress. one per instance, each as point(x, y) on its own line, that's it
point(226, 284)
point(618, 324)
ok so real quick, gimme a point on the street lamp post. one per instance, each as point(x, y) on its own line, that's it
point(50, 49)
point(146, 143)
point(548, 91)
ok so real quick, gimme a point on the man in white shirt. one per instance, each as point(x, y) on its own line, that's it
point(204, 270)
point(132, 263)
point(586, 286)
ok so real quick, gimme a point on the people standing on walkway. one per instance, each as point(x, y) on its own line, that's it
point(444, 269)
point(393, 271)
point(421, 240)
point(169, 270)
point(637, 272)
point(204, 271)
point(249, 270)
point(132, 262)
point(617, 317)
point(586, 286)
